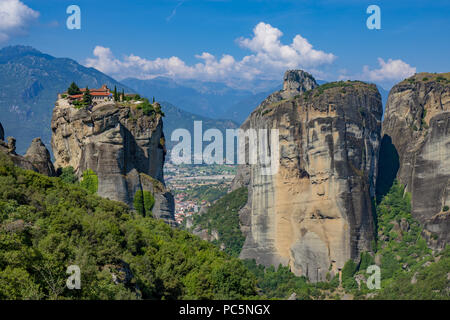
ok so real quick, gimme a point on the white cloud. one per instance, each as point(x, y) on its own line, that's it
point(268, 60)
point(14, 17)
point(269, 50)
point(392, 70)
point(386, 75)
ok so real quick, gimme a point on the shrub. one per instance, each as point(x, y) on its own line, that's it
point(89, 181)
point(445, 208)
point(350, 284)
point(73, 89)
point(143, 202)
point(146, 107)
point(366, 260)
point(68, 175)
point(349, 270)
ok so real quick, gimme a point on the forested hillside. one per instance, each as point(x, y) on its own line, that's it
point(223, 217)
point(47, 225)
point(409, 268)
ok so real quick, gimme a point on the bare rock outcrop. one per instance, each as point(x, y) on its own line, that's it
point(417, 124)
point(39, 156)
point(123, 146)
point(315, 213)
point(295, 83)
point(34, 162)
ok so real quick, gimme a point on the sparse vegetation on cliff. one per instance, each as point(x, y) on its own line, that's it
point(223, 216)
point(402, 254)
point(146, 107)
point(67, 175)
point(143, 202)
point(89, 181)
point(443, 78)
point(408, 268)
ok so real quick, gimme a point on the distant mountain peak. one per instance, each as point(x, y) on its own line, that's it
point(19, 50)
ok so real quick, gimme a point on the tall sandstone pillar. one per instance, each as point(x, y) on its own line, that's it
point(416, 127)
point(315, 213)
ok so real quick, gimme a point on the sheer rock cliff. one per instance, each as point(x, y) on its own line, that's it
point(123, 146)
point(316, 212)
point(416, 128)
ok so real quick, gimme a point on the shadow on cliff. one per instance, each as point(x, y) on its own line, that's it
point(134, 157)
point(388, 166)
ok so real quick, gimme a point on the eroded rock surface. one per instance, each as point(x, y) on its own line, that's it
point(39, 156)
point(37, 161)
point(417, 121)
point(295, 82)
point(315, 213)
point(124, 147)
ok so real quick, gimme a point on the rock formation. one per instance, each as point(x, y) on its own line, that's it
point(122, 145)
point(315, 213)
point(294, 84)
point(417, 123)
point(39, 156)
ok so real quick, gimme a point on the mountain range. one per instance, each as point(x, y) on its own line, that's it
point(211, 99)
point(30, 81)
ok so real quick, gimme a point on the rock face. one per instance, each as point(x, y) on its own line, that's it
point(298, 81)
point(295, 83)
point(124, 147)
point(39, 156)
point(417, 121)
point(315, 212)
point(38, 159)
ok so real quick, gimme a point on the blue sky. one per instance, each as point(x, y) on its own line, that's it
point(188, 39)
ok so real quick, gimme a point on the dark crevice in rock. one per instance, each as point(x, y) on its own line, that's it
point(388, 166)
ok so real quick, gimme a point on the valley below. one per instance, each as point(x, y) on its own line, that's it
point(358, 207)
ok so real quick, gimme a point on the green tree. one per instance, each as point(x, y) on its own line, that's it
point(143, 202)
point(47, 225)
point(349, 270)
point(366, 260)
point(68, 175)
point(73, 89)
point(116, 97)
point(89, 181)
point(87, 97)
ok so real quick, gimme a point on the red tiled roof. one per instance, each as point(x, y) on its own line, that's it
point(96, 94)
point(101, 94)
point(94, 90)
